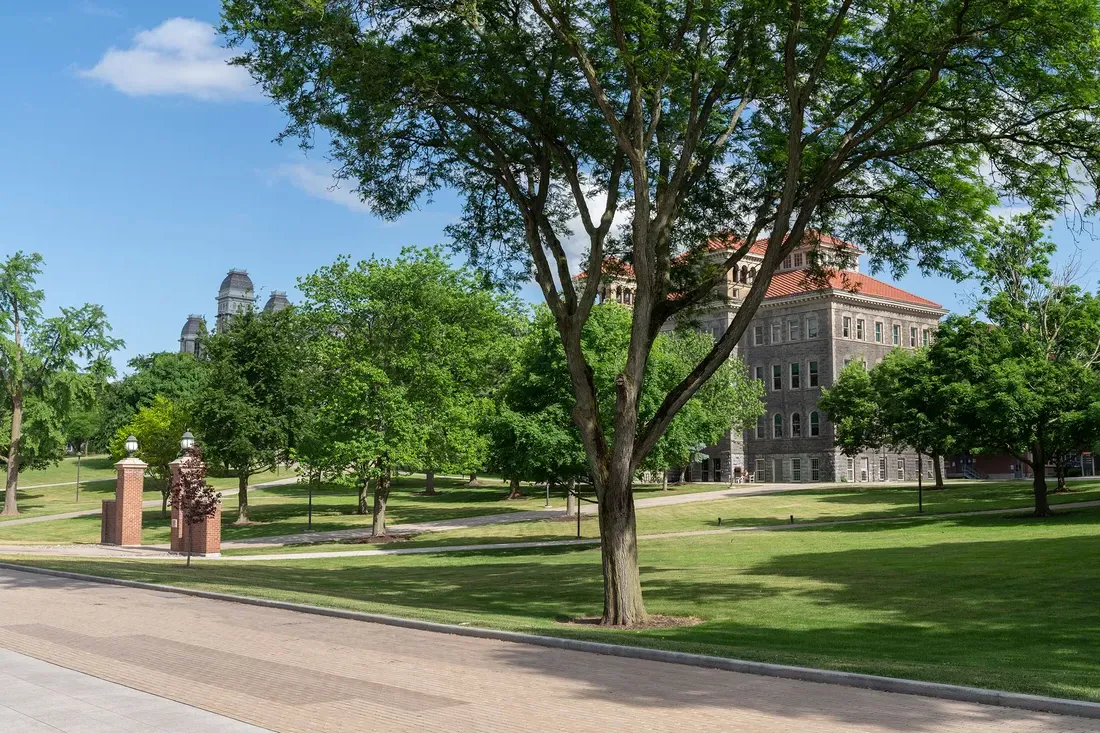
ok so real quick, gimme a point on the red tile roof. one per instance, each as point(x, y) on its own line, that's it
point(793, 282)
point(760, 246)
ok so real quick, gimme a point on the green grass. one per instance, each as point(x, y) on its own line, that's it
point(92, 468)
point(35, 501)
point(999, 602)
point(825, 504)
point(282, 510)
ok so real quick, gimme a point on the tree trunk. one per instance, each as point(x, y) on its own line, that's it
point(364, 491)
point(11, 507)
point(164, 494)
point(473, 481)
point(514, 489)
point(622, 584)
point(429, 483)
point(242, 499)
point(190, 541)
point(571, 503)
point(664, 480)
point(938, 469)
point(1060, 472)
point(1039, 482)
point(381, 496)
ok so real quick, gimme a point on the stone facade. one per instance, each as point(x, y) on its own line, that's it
point(804, 333)
point(236, 294)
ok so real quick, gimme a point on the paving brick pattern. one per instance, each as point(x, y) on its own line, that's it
point(288, 671)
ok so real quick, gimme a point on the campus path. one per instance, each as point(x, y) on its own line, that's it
point(151, 504)
point(39, 697)
point(293, 672)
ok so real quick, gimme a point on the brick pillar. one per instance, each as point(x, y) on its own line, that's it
point(207, 533)
point(122, 517)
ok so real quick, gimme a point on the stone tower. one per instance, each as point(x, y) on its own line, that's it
point(276, 301)
point(189, 337)
point(235, 295)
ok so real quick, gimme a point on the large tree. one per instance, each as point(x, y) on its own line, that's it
point(158, 429)
point(1024, 380)
point(405, 347)
point(247, 407)
point(894, 123)
point(49, 368)
point(172, 375)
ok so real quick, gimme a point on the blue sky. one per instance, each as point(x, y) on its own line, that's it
point(143, 169)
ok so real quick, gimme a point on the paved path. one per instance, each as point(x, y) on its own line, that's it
point(151, 504)
point(38, 697)
point(293, 672)
point(162, 552)
point(444, 525)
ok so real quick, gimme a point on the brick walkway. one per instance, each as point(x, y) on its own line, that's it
point(287, 671)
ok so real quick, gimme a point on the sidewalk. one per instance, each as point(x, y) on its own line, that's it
point(291, 672)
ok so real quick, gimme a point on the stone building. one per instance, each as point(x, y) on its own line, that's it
point(802, 335)
point(235, 295)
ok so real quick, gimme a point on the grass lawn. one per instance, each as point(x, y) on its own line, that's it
point(1008, 603)
point(92, 468)
point(825, 504)
point(37, 501)
point(282, 510)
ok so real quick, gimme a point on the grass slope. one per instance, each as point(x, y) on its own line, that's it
point(1004, 603)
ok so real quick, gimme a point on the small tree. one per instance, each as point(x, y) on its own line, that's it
point(168, 374)
point(196, 501)
point(43, 383)
point(157, 428)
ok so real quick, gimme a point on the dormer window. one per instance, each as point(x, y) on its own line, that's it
point(798, 259)
point(787, 263)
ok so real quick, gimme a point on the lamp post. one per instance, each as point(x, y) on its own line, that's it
point(187, 442)
point(131, 445)
point(78, 452)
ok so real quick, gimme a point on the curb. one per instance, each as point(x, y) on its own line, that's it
point(957, 693)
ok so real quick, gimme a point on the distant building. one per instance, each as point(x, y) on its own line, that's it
point(236, 295)
point(189, 337)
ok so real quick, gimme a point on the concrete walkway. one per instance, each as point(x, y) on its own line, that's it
point(39, 697)
point(445, 525)
point(160, 552)
point(151, 504)
point(297, 673)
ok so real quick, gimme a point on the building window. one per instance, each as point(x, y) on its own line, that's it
point(626, 297)
point(924, 337)
point(777, 333)
point(897, 335)
point(901, 469)
point(758, 469)
point(796, 376)
point(794, 331)
point(787, 262)
point(811, 327)
point(847, 362)
point(796, 425)
point(815, 469)
point(851, 469)
point(777, 426)
point(798, 259)
point(859, 329)
point(862, 469)
point(760, 427)
point(777, 377)
point(813, 373)
point(815, 425)
point(760, 375)
point(846, 330)
point(913, 336)
point(882, 468)
point(717, 469)
point(796, 469)
point(757, 335)
point(878, 332)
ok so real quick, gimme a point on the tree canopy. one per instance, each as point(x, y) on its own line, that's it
point(897, 125)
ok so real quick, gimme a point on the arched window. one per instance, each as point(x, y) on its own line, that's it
point(752, 275)
point(619, 294)
point(777, 426)
point(796, 425)
point(815, 425)
point(744, 274)
point(626, 297)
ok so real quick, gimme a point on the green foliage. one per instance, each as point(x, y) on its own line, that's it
point(50, 368)
point(172, 375)
point(535, 437)
point(246, 407)
point(158, 429)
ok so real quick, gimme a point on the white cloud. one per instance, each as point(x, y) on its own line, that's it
point(181, 56)
point(318, 181)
